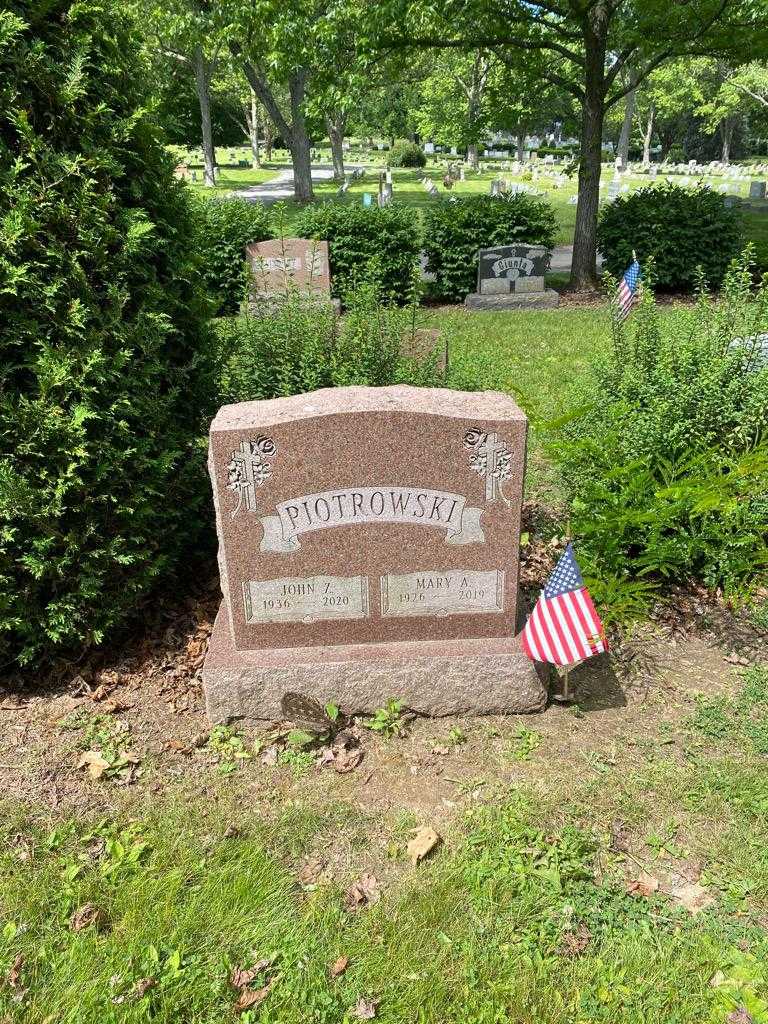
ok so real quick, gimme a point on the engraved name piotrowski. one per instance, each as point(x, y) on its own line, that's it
point(358, 505)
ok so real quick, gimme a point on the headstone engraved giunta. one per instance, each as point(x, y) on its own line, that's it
point(369, 544)
point(512, 277)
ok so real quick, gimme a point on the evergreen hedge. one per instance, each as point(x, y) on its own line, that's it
point(457, 228)
point(681, 228)
point(378, 244)
point(106, 373)
point(223, 229)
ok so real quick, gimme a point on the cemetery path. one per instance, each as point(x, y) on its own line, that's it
point(281, 187)
point(562, 257)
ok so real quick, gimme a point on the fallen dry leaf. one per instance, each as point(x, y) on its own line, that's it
point(85, 916)
point(574, 943)
point(425, 839)
point(269, 757)
point(442, 751)
point(251, 997)
point(739, 1016)
point(142, 986)
point(311, 871)
point(241, 978)
point(362, 893)
point(692, 896)
point(619, 837)
point(94, 762)
point(338, 968)
point(13, 977)
point(365, 1009)
point(643, 885)
point(179, 745)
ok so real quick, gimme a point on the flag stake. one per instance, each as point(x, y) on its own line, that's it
point(565, 697)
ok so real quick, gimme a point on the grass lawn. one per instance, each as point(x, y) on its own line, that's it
point(602, 864)
point(408, 189)
point(552, 899)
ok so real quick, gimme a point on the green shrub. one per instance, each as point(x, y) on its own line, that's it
point(456, 229)
point(378, 244)
point(407, 154)
point(105, 360)
point(303, 346)
point(224, 227)
point(681, 228)
point(666, 455)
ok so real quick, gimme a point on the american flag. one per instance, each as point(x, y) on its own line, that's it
point(564, 627)
point(627, 294)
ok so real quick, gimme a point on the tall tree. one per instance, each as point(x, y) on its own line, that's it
point(191, 36)
point(581, 46)
point(453, 108)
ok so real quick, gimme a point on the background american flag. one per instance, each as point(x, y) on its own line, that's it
point(564, 627)
point(627, 293)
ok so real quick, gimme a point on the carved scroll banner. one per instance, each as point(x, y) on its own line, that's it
point(355, 505)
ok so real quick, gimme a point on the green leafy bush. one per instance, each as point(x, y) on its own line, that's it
point(407, 154)
point(224, 227)
point(303, 346)
point(105, 360)
point(377, 244)
point(456, 229)
point(681, 228)
point(666, 455)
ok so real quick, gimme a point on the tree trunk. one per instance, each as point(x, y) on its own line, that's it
point(648, 136)
point(727, 128)
point(474, 103)
point(202, 71)
point(521, 146)
point(667, 142)
point(252, 117)
point(301, 156)
point(335, 125)
point(269, 140)
point(584, 264)
point(626, 128)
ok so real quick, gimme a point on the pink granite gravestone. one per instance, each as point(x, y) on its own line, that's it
point(369, 545)
point(282, 264)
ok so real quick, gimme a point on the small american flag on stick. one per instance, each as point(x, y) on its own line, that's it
point(564, 627)
point(628, 288)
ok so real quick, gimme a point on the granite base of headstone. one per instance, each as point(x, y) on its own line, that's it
point(511, 277)
point(369, 546)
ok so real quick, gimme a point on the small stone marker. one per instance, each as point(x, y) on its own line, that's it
point(369, 543)
point(512, 277)
point(279, 265)
point(423, 343)
point(757, 190)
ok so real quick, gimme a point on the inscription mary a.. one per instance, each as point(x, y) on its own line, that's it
point(358, 505)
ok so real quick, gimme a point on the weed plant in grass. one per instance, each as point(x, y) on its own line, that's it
point(302, 345)
point(665, 454)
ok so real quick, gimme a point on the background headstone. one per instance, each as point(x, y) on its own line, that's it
point(280, 265)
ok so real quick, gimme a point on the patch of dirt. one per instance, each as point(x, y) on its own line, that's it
point(629, 701)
